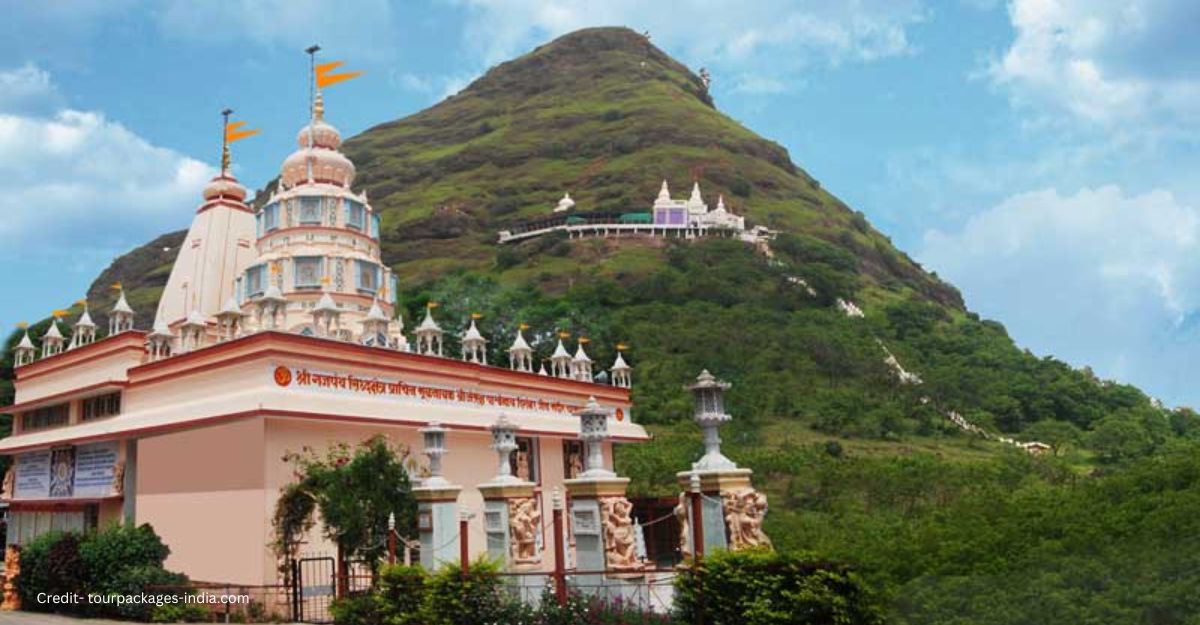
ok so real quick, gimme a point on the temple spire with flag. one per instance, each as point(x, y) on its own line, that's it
point(232, 132)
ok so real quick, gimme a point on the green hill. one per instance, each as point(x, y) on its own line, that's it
point(859, 466)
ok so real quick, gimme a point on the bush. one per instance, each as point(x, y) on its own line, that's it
point(397, 600)
point(766, 587)
point(137, 579)
point(471, 599)
point(118, 560)
point(49, 564)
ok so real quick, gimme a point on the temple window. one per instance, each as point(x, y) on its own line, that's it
point(374, 226)
point(308, 271)
point(310, 210)
point(45, 417)
point(256, 280)
point(366, 276)
point(270, 214)
point(354, 215)
point(101, 406)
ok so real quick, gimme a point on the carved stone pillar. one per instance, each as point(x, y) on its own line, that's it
point(511, 517)
point(12, 570)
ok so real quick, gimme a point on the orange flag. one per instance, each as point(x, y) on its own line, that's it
point(234, 132)
point(325, 77)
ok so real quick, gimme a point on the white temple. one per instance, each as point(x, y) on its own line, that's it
point(667, 217)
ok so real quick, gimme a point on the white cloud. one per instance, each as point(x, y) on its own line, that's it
point(26, 88)
point(785, 36)
point(79, 184)
point(1105, 62)
point(1100, 277)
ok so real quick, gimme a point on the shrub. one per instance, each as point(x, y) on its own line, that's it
point(123, 546)
point(49, 564)
point(397, 600)
point(765, 588)
point(118, 560)
point(472, 599)
point(137, 579)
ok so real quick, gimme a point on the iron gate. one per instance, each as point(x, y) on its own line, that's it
point(313, 583)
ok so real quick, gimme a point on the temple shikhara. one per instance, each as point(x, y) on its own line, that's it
point(277, 331)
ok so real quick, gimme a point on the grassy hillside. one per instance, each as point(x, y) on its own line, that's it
point(858, 465)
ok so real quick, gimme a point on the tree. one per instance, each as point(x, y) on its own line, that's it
point(1118, 438)
point(1057, 434)
point(355, 490)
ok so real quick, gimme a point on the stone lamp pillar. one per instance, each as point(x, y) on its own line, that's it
point(511, 517)
point(732, 510)
point(605, 536)
point(437, 504)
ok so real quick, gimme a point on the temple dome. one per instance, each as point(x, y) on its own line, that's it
point(327, 166)
point(323, 134)
point(224, 186)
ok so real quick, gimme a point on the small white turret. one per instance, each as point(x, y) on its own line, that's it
point(696, 197)
point(664, 194)
point(121, 318)
point(24, 352)
point(542, 370)
point(229, 321)
point(52, 340)
point(375, 326)
point(192, 331)
point(85, 330)
point(560, 362)
point(160, 342)
point(327, 317)
point(621, 372)
point(581, 364)
point(429, 335)
point(474, 346)
point(565, 204)
point(520, 354)
point(271, 307)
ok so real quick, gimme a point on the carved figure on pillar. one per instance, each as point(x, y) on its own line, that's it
point(118, 483)
point(620, 543)
point(685, 528)
point(524, 519)
point(744, 512)
point(10, 479)
point(12, 570)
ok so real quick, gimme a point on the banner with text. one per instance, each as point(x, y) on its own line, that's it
point(308, 379)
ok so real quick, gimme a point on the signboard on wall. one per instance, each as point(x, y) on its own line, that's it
point(351, 384)
point(32, 475)
point(95, 468)
point(85, 471)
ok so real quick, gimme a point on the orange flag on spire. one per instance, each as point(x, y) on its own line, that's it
point(326, 78)
point(234, 132)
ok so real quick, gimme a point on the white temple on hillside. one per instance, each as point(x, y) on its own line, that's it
point(693, 212)
point(667, 217)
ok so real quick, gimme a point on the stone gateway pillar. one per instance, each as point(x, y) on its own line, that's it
point(732, 509)
point(437, 505)
point(605, 535)
point(511, 517)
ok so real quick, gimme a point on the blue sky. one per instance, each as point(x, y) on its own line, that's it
point(1040, 154)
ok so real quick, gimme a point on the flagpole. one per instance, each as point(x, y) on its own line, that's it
point(312, 71)
point(225, 140)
